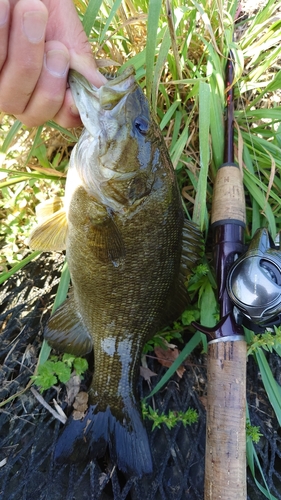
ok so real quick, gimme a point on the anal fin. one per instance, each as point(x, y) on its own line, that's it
point(66, 332)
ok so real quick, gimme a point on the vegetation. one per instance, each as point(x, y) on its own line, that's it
point(179, 52)
point(54, 370)
point(172, 419)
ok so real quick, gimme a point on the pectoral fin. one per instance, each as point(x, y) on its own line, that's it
point(95, 222)
point(107, 242)
point(50, 235)
point(47, 208)
point(66, 332)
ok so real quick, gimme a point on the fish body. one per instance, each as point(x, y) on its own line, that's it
point(128, 251)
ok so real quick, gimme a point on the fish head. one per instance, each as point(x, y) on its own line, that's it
point(116, 157)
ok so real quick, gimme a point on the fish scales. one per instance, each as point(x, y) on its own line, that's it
point(125, 240)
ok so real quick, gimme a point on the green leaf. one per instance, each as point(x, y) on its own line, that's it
point(10, 136)
point(62, 371)
point(208, 305)
point(111, 15)
point(4, 276)
point(190, 346)
point(90, 15)
point(199, 211)
point(152, 27)
point(272, 388)
point(68, 359)
point(80, 365)
point(63, 287)
point(59, 299)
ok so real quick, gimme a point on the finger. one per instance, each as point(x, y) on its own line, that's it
point(48, 95)
point(85, 64)
point(4, 30)
point(68, 115)
point(24, 61)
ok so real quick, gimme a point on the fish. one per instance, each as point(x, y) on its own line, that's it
point(129, 250)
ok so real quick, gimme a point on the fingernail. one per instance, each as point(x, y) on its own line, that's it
point(101, 78)
point(4, 11)
point(57, 62)
point(34, 24)
point(74, 110)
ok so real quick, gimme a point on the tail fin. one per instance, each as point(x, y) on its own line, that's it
point(125, 436)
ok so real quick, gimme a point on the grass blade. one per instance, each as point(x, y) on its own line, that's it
point(152, 27)
point(59, 299)
point(112, 13)
point(10, 136)
point(273, 389)
point(90, 15)
point(4, 276)
point(190, 346)
point(199, 212)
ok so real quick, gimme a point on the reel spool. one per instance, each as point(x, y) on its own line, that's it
point(254, 284)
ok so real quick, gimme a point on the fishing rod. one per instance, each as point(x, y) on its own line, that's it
point(225, 456)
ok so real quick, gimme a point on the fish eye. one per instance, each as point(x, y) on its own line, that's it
point(142, 125)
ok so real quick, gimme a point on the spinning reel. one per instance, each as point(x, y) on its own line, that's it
point(254, 284)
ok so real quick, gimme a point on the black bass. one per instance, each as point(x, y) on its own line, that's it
point(129, 250)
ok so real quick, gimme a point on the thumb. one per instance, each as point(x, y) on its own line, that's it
point(85, 64)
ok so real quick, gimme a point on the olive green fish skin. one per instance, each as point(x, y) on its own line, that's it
point(124, 251)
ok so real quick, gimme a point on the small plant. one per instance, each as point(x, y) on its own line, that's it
point(162, 339)
point(268, 341)
point(54, 370)
point(172, 419)
point(253, 432)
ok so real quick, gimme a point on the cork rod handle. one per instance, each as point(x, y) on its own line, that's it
point(225, 470)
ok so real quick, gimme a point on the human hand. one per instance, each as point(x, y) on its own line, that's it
point(39, 42)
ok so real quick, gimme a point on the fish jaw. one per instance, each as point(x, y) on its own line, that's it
point(100, 107)
point(114, 159)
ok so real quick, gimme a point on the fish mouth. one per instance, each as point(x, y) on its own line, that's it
point(107, 97)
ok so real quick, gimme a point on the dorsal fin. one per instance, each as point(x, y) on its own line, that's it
point(192, 250)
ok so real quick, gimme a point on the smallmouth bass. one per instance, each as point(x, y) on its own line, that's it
point(129, 251)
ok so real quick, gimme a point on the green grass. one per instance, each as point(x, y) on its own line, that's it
point(179, 56)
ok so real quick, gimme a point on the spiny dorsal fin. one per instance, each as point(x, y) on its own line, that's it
point(192, 247)
point(66, 332)
point(50, 235)
point(192, 250)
